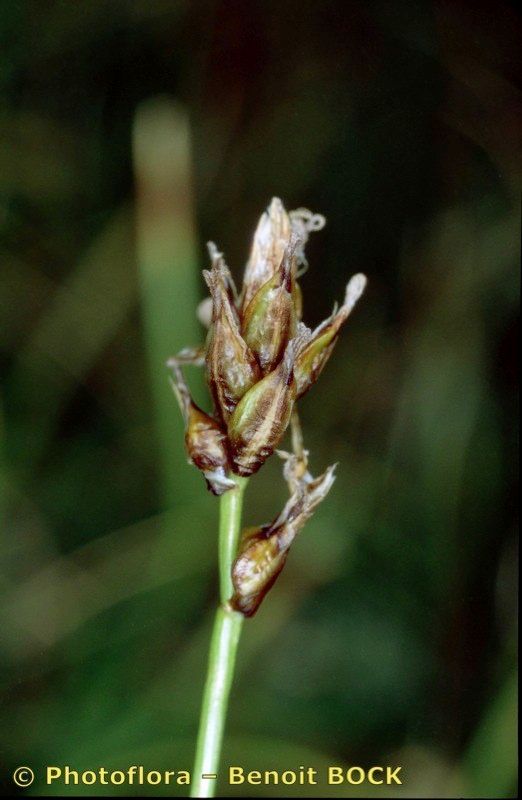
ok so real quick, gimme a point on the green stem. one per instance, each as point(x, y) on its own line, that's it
point(223, 648)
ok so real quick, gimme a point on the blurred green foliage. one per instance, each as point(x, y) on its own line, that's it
point(130, 133)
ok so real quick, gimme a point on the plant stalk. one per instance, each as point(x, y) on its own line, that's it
point(223, 648)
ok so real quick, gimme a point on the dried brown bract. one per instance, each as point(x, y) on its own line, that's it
point(263, 551)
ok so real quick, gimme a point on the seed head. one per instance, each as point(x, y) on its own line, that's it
point(259, 356)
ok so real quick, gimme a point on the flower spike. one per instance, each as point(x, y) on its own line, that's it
point(259, 356)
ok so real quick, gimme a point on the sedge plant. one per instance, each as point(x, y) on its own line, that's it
point(260, 358)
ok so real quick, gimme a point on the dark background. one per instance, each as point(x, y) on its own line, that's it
point(131, 132)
